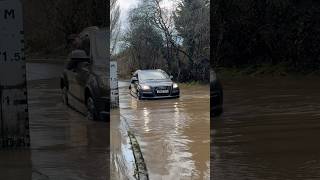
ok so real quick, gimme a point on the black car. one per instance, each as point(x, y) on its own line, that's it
point(84, 82)
point(216, 94)
point(153, 84)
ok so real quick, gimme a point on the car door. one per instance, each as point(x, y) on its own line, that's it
point(81, 79)
point(71, 77)
point(75, 83)
point(134, 84)
point(82, 74)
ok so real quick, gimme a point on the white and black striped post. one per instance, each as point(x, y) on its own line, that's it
point(114, 85)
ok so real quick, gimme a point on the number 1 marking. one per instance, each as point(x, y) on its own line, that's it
point(4, 56)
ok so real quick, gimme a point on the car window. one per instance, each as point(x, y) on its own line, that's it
point(85, 45)
point(152, 75)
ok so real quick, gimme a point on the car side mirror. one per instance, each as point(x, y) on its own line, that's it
point(134, 79)
point(171, 77)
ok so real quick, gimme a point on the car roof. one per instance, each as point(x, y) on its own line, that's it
point(141, 70)
point(148, 70)
point(151, 70)
point(90, 30)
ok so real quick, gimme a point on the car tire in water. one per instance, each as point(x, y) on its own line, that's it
point(91, 109)
point(139, 95)
point(64, 94)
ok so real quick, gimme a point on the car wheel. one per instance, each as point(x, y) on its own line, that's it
point(91, 109)
point(139, 95)
point(64, 94)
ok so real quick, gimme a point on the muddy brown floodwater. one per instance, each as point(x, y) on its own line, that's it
point(269, 130)
point(174, 134)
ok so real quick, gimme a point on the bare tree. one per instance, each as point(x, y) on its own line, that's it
point(143, 39)
point(115, 25)
point(192, 23)
point(174, 38)
point(164, 20)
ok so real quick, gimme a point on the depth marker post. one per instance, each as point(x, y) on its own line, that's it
point(14, 122)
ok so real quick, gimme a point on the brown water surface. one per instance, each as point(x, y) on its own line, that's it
point(269, 130)
point(174, 134)
point(64, 144)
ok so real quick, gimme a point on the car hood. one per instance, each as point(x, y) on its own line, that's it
point(155, 83)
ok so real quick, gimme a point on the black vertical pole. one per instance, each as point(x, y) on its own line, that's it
point(1, 119)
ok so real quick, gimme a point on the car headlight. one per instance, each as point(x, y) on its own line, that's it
point(145, 87)
point(175, 85)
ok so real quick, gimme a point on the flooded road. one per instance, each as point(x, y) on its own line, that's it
point(173, 133)
point(270, 130)
point(122, 163)
point(64, 144)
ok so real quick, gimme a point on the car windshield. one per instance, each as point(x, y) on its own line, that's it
point(152, 75)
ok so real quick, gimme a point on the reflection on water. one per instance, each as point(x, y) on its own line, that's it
point(269, 130)
point(146, 119)
point(15, 164)
point(122, 160)
point(65, 145)
point(173, 133)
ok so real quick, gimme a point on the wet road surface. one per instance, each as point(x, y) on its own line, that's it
point(122, 159)
point(270, 130)
point(173, 133)
point(64, 144)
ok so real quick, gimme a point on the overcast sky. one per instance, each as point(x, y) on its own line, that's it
point(126, 5)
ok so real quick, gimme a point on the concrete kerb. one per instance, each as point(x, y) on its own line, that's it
point(141, 172)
